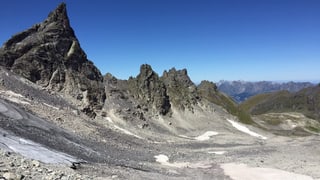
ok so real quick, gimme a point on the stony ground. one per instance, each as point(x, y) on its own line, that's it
point(36, 123)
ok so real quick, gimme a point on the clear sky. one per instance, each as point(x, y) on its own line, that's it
point(214, 39)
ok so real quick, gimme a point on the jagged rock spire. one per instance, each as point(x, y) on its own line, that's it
point(59, 15)
point(50, 55)
point(148, 88)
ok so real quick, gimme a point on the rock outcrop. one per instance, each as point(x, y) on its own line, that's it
point(49, 54)
point(181, 90)
point(149, 90)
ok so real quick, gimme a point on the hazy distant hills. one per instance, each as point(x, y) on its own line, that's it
point(305, 101)
point(242, 90)
point(56, 107)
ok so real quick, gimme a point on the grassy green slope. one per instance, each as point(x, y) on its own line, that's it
point(209, 91)
point(306, 101)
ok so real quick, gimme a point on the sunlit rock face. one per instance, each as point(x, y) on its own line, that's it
point(50, 55)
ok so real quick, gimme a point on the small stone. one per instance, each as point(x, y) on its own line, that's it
point(76, 112)
point(26, 173)
point(114, 176)
point(7, 154)
point(10, 176)
point(35, 163)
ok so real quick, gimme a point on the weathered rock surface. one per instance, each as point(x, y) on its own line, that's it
point(50, 55)
point(149, 89)
point(142, 119)
point(15, 167)
point(181, 89)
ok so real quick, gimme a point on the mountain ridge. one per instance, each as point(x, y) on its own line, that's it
point(242, 90)
point(56, 107)
point(50, 55)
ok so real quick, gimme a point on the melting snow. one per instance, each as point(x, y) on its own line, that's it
point(245, 129)
point(163, 159)
point(123, 130)
point(206, 135)
point(34, 150)
point(243, 172)
point(51, 106)
point(217, 152)
point(15, 97)
point(127, 132)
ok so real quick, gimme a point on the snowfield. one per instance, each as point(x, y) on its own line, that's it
point(243, 172)
point(206, 136)
point(245, 129)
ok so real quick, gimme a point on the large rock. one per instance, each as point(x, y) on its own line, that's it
point(149, 89)
point(181, 89)
point(50, 55)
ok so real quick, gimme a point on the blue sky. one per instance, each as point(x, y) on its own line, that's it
point(249, 40)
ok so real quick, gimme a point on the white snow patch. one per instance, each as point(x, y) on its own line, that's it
point(71, 50)
point(109, 119)
point(164, 160)
point(127, 132)
point(206, 135)
point(293, 126)
point(161, 158)
point(15, 97)
point(217, 152)
point(123, 130)
point(11, 93)
point(243, 172)
point(18, 101)
point(35, 151)
point(51, 106)
point(245, 129)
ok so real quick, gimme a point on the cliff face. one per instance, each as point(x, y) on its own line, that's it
point(50, 55)
point(149, 90)
point(181, 89)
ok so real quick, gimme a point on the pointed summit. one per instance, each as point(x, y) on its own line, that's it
point(49, 54)
point(150, 90)
point(59, 15)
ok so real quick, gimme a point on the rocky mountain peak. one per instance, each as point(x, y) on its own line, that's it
point(146, 72)
point(50, 55)
point(177, 76)
point(181, 89)
point(59, 15)
point(149, 89)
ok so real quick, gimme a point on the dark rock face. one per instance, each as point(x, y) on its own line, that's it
point(181, 89)
point(149, 89)
point(207, 89)
point(50, 55)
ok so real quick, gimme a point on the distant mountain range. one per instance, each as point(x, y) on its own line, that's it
point(242, 90)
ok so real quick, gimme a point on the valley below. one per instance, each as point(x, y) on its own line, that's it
point(61, 119)
point(206, 146)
